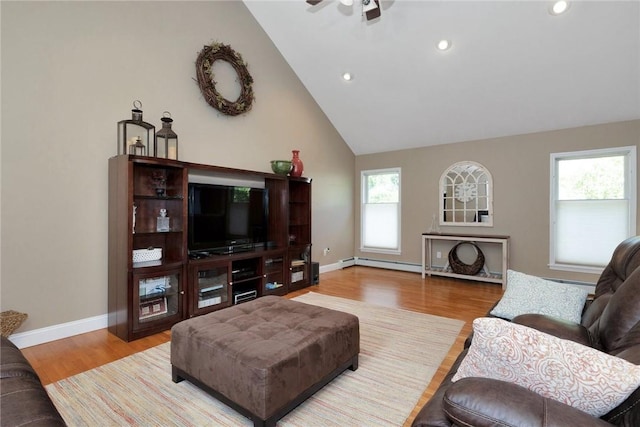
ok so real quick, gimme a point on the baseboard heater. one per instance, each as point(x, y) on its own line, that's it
point(347, 262)
point(389, 265)
point(380, 263)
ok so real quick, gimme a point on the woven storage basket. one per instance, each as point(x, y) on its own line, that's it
point(460, 267)
point(144, 255)
point(11, 320)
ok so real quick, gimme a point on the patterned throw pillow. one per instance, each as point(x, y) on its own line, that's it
point(529, 294)
point(563, 370)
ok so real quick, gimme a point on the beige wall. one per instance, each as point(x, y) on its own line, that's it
point(70, 72)
point(520, 169)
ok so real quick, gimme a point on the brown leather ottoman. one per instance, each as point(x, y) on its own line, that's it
point(265, 357)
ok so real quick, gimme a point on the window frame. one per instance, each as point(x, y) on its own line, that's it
point(630, 194)
point(364, 174)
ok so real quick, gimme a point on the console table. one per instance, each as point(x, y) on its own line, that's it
point(483, 276)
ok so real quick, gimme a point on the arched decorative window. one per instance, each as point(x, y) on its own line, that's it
point(466, 195)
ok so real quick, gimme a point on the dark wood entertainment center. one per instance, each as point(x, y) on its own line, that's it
point(152, 294)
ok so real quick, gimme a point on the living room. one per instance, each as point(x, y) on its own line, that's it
point(72, 70)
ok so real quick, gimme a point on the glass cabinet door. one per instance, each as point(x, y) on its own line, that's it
point(211, 285)
point(274, 283)
point(158, 298)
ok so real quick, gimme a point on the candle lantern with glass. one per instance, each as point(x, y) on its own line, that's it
point(166, 139)
point(135, 132)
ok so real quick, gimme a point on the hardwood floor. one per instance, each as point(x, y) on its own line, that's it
point(457, 299)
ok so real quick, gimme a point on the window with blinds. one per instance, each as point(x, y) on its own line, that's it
point(593, 206)
point(380, 211)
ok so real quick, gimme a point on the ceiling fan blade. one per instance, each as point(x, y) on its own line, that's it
point(373, 12)
point(313, 2)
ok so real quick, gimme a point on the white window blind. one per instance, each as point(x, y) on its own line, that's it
point(380, 225)
point(589, 230)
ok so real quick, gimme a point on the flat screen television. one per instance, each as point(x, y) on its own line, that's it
point(225, 219)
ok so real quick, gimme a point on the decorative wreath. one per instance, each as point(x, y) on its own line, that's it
point(204, 71)
point(460, 267)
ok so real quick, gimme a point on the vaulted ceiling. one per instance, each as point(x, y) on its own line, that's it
point(513, 67)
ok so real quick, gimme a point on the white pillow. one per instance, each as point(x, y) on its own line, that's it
point(563, 370)
point(531, 294)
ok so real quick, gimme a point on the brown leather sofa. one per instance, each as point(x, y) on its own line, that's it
point(23, 399)
point(610, 323)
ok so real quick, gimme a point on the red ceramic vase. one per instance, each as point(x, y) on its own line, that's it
point(297, 166)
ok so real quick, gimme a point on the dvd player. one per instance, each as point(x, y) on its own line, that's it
point(240, 297)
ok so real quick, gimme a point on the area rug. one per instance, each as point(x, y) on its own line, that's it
point(400, 352)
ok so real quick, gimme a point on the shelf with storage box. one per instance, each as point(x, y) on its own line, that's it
point(484, 275)
point(156, 277)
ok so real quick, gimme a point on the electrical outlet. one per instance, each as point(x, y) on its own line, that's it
point(438, 254)
point(325, 251)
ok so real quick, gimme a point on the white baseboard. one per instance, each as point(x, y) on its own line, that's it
point(56, 332)
point(331, 267)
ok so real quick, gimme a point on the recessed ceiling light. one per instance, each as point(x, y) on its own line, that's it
point(559, 7)
point(347, 76)
point(444, 44)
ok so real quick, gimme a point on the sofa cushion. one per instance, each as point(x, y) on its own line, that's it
point(566, 371)
point(530, 294)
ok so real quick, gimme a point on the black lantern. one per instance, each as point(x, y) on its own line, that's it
point(166, 139)
point(135, 132)
point(138, 148)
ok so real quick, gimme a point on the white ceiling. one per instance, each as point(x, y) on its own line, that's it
point(514, 68)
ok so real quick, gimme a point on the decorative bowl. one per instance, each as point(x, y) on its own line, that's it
point(281, 167)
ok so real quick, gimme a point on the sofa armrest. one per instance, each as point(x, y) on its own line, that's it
point(23, 399)
point(556, 327)
point(432, 413)
point(486, 402)
point(12, 361)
